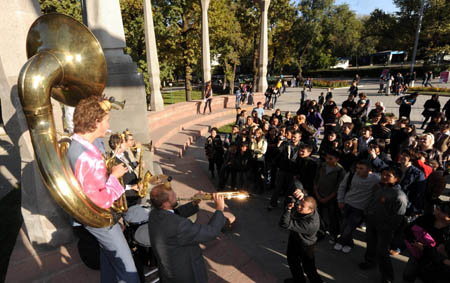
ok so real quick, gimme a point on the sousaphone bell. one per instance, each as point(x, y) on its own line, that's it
point(66, 62)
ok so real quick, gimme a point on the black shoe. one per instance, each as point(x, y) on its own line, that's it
point(366, 265)
point(289, 280)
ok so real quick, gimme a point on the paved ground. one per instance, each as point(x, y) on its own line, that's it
point(256, 231)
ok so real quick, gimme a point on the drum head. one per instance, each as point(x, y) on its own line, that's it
point(142, 236)
point(137, 214)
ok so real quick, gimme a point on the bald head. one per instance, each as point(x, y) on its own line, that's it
point(307, 205)
point(311, 202)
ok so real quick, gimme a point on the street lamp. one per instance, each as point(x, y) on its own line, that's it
point(416, 43)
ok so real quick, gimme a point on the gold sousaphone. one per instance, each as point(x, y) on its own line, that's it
point(66, 63)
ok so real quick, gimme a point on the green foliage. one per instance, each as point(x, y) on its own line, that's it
point(226, 129)
point(67, 7)
point(330, 84)
point(429, 89)
point(179, 96)
point(304, 35)
point(373, 72)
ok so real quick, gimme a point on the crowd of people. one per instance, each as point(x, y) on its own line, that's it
point(398, 83)
point(371, 169)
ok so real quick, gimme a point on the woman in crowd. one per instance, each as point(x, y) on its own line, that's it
point(431, 107)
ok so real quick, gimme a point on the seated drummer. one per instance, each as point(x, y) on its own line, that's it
point(130, 179)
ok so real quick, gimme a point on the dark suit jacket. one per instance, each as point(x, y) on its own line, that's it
point(175, 243)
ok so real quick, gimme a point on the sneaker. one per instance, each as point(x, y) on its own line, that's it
point(363, 226)
point(346, 249)
point(337, 247)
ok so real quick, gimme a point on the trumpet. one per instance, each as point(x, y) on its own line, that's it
point(240, 195)
point(117, 104)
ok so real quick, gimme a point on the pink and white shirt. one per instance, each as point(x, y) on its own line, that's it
point(90, 170)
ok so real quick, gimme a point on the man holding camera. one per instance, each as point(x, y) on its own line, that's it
point(301, 218)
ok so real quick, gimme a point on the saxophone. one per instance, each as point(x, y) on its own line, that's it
point(120, 205)
point(144, 178)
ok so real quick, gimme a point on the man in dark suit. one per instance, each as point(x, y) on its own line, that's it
point(175, 239)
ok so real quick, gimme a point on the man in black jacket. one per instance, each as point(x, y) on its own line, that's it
point(174, 238)
point(287, 167)
point(303, 222)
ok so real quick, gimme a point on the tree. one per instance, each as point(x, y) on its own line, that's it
point(67, 7)
point(281, 41)
point(436, 29)
point(308, 27)
point(226, 37)
point(177, 30)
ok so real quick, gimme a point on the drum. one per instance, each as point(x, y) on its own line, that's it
point(137, 214)
point(142, 236)
point(144, 247)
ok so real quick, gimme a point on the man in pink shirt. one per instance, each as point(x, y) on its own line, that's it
point(91, 121)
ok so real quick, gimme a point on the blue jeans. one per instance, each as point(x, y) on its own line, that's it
point(238, 102)
point(274, 101)
point(351, 218)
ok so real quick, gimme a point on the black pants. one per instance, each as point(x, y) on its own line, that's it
point(259, 175)
point(301, 259)
point(379, 239)
point(207, 104)
point(217, 162)
point(351, 218)
point(329, 217)
point(404, 111)
point(283, 184)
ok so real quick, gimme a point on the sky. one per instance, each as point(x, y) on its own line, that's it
point(365, 7)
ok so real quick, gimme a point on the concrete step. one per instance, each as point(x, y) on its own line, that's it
point(162, 134)
point(174, 118)
point(179, 142)
point(62, 264)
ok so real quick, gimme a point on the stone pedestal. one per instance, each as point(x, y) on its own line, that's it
point(263, 48)
point(124, 82)
point(206, 57)
point(156, 100)
point(45, 222)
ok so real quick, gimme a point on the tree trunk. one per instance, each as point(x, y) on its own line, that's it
point(187, 67)
point(272, 64)
point(300, 62)
point(224, 87)
point(233, 77)
point(187, 81)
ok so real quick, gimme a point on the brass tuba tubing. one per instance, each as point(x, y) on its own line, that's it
point(67, 63)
